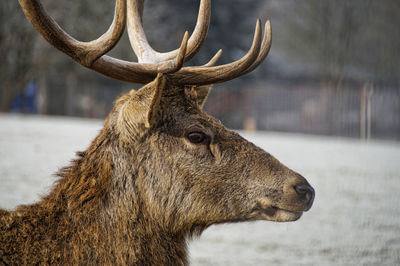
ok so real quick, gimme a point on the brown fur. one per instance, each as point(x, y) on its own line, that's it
point(141, 188)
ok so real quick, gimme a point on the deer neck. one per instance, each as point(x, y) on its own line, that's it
point(151, 242)
point(106, 209)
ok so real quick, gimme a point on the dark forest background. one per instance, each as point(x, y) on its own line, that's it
point(333, 68)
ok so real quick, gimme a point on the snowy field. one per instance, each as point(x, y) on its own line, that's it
point(355, 219)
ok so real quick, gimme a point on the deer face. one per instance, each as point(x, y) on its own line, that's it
point(194, 171)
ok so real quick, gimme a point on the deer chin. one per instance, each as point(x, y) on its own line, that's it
point(277, 215)
point(265, 210)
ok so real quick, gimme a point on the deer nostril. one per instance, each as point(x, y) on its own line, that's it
point(306, 193)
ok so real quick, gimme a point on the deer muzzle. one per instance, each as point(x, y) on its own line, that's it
point(297, 197)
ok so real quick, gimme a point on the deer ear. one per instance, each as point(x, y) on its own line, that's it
point(140, 108)
point(154, 97)
point(202, 94)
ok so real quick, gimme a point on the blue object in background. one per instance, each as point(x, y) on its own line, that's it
point(25, 102)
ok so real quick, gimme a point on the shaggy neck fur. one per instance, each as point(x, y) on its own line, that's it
point(94, 214)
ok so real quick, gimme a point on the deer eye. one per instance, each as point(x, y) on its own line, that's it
point(196, 137)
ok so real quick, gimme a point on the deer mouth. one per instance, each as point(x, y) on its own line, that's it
point(266, 211)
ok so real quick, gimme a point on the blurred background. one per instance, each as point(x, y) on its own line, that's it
point(330, 82)
point(332, 70)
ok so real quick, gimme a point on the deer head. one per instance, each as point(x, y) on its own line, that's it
point(187, 168)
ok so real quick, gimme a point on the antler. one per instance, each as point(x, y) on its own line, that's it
point(150, 62)
point(215, 74)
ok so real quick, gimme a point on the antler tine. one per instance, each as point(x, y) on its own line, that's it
point(265, 47)
point(84, 53)
point(173, 65)
point(200, 31)
point(214, 74)
point(214, 59)
point(141, 46)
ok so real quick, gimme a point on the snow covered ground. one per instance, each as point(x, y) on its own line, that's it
point(355, 219)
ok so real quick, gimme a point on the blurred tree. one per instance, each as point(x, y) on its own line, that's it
point(356, 39)
point(16, 52)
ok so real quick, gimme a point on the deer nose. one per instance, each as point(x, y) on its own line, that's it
point(306, 194)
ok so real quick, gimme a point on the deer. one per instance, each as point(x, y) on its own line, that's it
point(161, 170)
